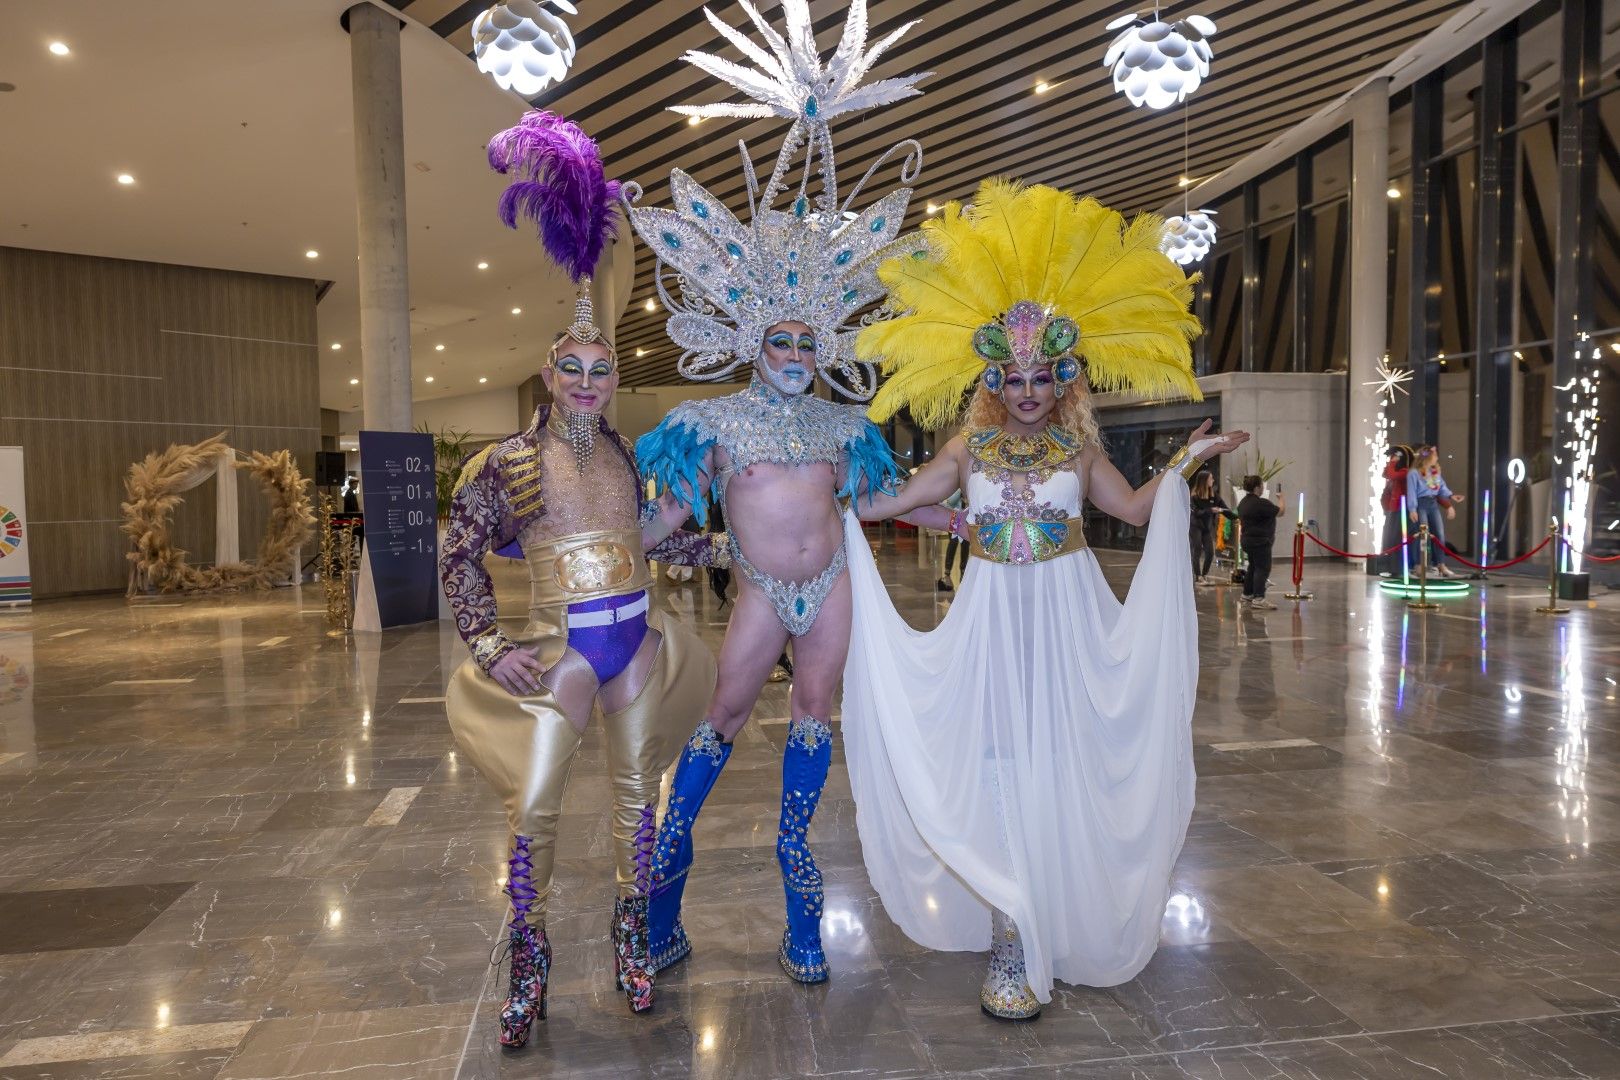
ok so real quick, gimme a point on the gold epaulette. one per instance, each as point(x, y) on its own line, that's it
point(520, 475)
point(474, 465)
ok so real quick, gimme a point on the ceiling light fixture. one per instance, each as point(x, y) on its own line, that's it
point(1042, 87)
point(517, 311)
point(428, 379)
point(693, 121)
point(483, 266)
point(125, 179)
point(1187, 239)
point(336, 345)
point(354, 382)
point(523, 46)
point(641, 352)
point(481, 379)
point(651, 305)
point(312, 254)
point(1393, 192)
point(438, 348)
point(59, 48)
point(1159, 63)
point(932, 209)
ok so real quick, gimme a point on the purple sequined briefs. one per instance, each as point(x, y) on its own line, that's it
point(608, 649)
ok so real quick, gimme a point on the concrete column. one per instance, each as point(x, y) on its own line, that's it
point(1369, 288)
point(379, 173)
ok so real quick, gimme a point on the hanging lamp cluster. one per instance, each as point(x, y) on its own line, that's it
point(523, 46)
point(1158, 63)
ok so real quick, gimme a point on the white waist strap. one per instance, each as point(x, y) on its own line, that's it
point(608, 616)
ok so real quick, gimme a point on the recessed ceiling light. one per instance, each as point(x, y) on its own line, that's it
point(652, 305)
point(932, 209)
point(312, 254)
point(125, 179)
point(336, 345)
point(438, 348)
point(482, 379)
point(428, 379)
point(59, 48)
point(1393, 193)
point(517, 311)
point(354, 382)
point(641, 352)
point(1042, 87)
point(483, 266)
point(694, 121)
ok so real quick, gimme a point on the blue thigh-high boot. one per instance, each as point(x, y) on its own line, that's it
point(804, 775)
point(700, 766)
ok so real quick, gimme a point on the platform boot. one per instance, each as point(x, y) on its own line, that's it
point(805, 762)
point(1006, 994)
point(705, 755)
point(527, 949)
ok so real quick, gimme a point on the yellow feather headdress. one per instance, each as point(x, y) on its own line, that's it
point(1072, 261)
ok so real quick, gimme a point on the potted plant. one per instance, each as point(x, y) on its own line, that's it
point(449, 451)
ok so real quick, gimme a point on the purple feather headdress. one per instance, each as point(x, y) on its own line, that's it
point(561, 186)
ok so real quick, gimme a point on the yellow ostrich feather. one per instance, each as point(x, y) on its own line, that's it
point(1073, 256)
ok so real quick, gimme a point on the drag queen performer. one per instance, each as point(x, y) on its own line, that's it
point(1023, 773)
point(775, 294)
point(567, 490)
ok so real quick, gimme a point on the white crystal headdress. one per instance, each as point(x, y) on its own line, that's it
point(815, 262)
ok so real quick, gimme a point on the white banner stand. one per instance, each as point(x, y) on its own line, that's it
point(16, 588)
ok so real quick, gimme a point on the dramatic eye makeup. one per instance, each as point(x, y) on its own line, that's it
point(780, 341)
point(807, 344)
point(601, 370)
point(1043, 378)
point(570, 365)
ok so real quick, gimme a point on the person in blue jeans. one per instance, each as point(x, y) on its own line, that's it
point(1430, 502)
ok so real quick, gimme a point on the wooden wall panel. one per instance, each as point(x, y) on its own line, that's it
point(103, 361)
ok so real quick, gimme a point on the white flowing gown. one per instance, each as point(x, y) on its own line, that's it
point(1032, 753)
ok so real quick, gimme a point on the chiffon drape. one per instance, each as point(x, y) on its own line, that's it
point(1032, 753)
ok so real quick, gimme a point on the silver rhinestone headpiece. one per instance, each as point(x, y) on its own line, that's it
point(815, 262)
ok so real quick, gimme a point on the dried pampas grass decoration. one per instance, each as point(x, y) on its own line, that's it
point(154, 490)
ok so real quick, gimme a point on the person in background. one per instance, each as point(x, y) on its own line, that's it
point(1395, 470)
point(1430, 502)
point(1206, 503)
point(956, 550)
point(1258, 516)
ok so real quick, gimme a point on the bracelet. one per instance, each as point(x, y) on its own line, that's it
point(1184, 463)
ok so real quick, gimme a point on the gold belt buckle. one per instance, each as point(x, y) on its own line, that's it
point(596, 566)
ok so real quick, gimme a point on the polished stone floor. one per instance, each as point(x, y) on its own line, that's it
point(233, 847)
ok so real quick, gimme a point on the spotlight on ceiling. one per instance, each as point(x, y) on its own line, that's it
point(483, 266)
point(354, 382)
point(517, 311)
point(651, 304)
point(59, 48)
point(336, 345)
point(312, 254)
point(125, 179)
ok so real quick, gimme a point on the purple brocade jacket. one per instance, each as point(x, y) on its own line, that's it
point(497, 497)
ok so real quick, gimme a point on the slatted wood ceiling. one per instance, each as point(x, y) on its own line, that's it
point(1276, 62)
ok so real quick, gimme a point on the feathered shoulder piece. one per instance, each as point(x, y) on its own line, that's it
point(561, 186)
point(1029, 276)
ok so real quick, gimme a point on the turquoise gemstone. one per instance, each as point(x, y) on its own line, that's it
point(733, 250)
point(733, 294)
point(810, 106)
point(799, 606)
point(800, 206)
point(672, 240)
point(700, 210)
point(793, 278)
point(877, 225)
point(849, 296)
point(844, 257)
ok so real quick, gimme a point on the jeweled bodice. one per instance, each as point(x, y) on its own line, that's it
point(1022, 495)
point(604, 496)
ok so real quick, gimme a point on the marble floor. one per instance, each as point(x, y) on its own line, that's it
point(233, 847)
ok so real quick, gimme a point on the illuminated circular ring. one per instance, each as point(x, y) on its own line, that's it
point(1440, 587)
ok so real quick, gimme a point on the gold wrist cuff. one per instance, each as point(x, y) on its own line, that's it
point(1184, 463)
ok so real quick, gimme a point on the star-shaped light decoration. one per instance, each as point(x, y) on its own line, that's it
point(1390, 379)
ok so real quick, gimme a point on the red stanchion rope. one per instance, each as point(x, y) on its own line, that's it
point(1347, 555)
point(1584, 555)
point(1497, 566)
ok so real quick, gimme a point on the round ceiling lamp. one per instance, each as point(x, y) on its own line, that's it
point(523, 46)
point(1187, 239)
point(1158, 63)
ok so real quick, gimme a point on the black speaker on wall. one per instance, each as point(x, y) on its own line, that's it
point(330, 467)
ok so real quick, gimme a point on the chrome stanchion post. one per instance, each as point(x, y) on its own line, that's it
point(1551, 607)
point(1423, 602)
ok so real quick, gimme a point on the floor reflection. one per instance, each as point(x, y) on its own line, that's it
point(231, 846)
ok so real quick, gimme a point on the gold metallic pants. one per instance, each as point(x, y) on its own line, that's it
point(524, 747)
